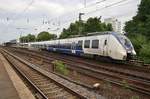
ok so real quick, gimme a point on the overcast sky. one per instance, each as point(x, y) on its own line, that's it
point(21, 17)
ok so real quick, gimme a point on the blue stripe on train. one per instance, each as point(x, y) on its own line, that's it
point(62, 50)
point(50, 49)
point(79, 52)
point(68, 51)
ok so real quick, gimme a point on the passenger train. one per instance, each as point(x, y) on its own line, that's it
point(108, 44)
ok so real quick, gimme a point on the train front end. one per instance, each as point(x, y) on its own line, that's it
point(126, 43)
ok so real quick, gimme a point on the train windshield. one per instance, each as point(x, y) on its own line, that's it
point(125, 41)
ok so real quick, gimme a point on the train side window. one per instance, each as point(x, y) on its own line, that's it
point(95, 43)
point(105, 43)
point(80, 44)
point(87, 44)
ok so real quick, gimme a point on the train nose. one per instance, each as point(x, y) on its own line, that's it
point(131, 51)
point(131, 54)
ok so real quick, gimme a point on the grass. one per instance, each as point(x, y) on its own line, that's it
point(135, 97)
point(60, 67)
point(125, 84)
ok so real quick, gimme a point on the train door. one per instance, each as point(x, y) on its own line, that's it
point(105, 47)
point(73, 47)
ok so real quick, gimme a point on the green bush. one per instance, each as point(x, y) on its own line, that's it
point(125, 84)
point(138, 41)
point(135, 97)
point(142, 47)
point(60, 67)
point(145, 52)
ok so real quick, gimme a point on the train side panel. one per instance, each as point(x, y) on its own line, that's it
point(94, 45)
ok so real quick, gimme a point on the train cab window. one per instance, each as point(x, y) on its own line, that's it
point(80, 44)
point(105, 42)
point(95, 43)
point(87, 44)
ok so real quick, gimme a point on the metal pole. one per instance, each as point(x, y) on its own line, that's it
point(80, 20)
point(80, 16)
point(35, 34)
point(85, 3)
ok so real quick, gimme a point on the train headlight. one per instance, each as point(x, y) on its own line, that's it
point(129, 51)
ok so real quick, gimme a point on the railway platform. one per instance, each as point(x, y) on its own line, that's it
point(11, 86)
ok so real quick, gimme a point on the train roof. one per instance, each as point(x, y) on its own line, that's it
point(88, 35)
point(99, 33)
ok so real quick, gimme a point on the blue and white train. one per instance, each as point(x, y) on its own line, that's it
point(109, 44)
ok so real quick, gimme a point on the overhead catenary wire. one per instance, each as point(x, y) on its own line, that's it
point(118, 16)
point(30, 4)
point(17, 15)
point(98, 2)
point(24, 10)
point(77, 10)
point(108, 6)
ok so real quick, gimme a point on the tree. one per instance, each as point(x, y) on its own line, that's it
point(138, 41)
point(104, 26)
point(30, 38)
point(138, 30)
point(141, 22)
point(23, 39)
point(93, 25)
point(109, 27)
point(44, 36)
point(82, 28)
point(145, 53)
point(65, 33)
point(53, 36)
point(73, 28)
point(76, 28)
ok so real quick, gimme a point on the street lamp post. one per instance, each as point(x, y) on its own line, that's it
point(85, 3)
point(35, 34)
point(80, 25)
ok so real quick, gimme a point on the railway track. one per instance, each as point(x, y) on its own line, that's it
point(136, 83)
point(143, 68)
point(92, 62)
point(130, 65)
point(139, 72)
point(48, 85)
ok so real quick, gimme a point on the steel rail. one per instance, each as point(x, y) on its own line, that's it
point(139, 89)
point(77, 94)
